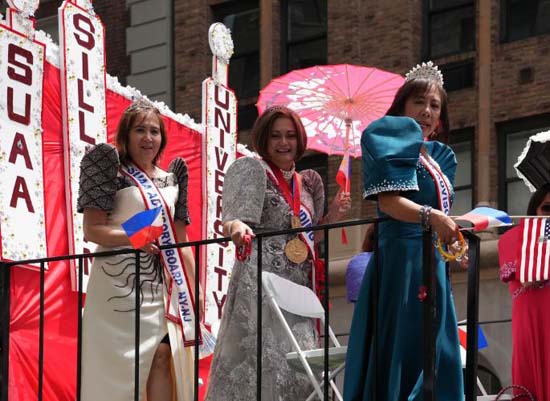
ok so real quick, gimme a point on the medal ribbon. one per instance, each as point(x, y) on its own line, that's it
point(172, 259)
point(442, 184)
point(294, 201)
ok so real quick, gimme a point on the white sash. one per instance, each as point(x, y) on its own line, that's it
point(442, 183)
point(171, 258)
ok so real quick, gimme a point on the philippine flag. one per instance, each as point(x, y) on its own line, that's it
point(143, 227)
point(344, 173)
point(482, 218)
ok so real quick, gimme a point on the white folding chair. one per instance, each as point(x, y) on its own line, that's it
point(302, 301)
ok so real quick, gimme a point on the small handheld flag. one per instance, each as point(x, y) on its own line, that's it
point(343, 180)
point(482, 218)
point(344, 173)
point(143, 228)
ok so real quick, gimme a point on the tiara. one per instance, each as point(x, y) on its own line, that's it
point(141, 104)
point(427, 71)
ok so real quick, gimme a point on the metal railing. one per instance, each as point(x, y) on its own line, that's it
point(428, 305)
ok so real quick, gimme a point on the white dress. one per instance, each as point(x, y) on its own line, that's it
point(108, 339)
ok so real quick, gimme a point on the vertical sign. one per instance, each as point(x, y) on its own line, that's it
point(220, 148)
point(22, 218)
point(83, 86)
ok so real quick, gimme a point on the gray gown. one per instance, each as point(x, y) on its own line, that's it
point(250, 196)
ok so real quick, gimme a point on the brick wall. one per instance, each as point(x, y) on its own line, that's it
point(387, 35)
point(115, 19)
point(192, 58)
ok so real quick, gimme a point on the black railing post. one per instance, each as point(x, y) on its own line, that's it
point(428, 279)
point(259, 324)
point(197, 324)
point(327, 315)
point(5, 271)
point(79, 329)
point(41, 334)
point(137, 325)
point(472, 315)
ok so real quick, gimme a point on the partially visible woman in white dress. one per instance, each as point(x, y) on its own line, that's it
point(108, 197)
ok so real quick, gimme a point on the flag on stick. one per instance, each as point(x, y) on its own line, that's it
point(482, 218)
point(143, 227)
point(343, 179)
point(534, 252)
point(344, 173)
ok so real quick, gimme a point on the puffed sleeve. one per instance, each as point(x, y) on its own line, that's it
point(244, 191)
point(98, 178)
point(445, 157)
point(313, 183)
point(390, 148)
point(179, 168)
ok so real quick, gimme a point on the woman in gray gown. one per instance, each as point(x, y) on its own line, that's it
point(265, 195)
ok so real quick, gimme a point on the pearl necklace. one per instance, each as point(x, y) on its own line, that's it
point(288, 174)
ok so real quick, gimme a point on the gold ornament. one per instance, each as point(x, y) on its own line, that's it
point(296, 251)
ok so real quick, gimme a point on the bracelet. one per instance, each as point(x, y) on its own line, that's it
point(448, 256)
point(424, 217)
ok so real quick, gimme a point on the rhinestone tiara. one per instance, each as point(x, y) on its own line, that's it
point(425, 71)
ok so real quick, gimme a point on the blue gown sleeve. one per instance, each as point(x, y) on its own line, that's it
point(390, 148)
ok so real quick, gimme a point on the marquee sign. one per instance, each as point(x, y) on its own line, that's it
point(22, 219)
point(83, 84)
point(220, 149)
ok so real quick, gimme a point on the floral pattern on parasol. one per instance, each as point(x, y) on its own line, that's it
point(335, 102)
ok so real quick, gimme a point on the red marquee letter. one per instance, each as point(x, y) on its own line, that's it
point(19, 147)
point(20, 190)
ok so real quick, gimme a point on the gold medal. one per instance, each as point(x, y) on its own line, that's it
point(296, 251)
point(295, 222)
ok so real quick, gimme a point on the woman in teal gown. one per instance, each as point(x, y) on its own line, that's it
point(395, 152)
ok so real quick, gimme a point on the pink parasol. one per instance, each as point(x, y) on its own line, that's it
point(335, 102)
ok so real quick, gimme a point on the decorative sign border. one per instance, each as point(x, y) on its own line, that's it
point(22, 219)
point(83, 94)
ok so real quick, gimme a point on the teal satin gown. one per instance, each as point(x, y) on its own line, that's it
point(391, 148)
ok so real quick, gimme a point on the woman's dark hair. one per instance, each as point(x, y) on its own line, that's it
point(264, 124)
point(536, 199)
point(415, 87)
point(131, 117)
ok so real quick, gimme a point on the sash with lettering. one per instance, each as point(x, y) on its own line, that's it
point(293, 199)
point(171, 258)
point(441, 181)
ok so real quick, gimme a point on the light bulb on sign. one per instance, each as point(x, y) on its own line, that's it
point(221, 44)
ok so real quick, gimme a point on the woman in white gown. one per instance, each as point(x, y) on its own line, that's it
point(108, 197)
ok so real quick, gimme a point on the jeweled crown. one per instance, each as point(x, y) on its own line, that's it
point(425, 71)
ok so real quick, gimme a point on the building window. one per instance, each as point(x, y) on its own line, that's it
point(451, 27)
point(304, 33)
point(243, 19)
point(462, 143)
point(513, 135)
point(521, 19)
point(458, 75)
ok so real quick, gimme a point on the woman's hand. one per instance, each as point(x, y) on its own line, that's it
point(457, 247)
point(339, 208)
point(444, 226)
point(237, 231)
point(150, 248)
